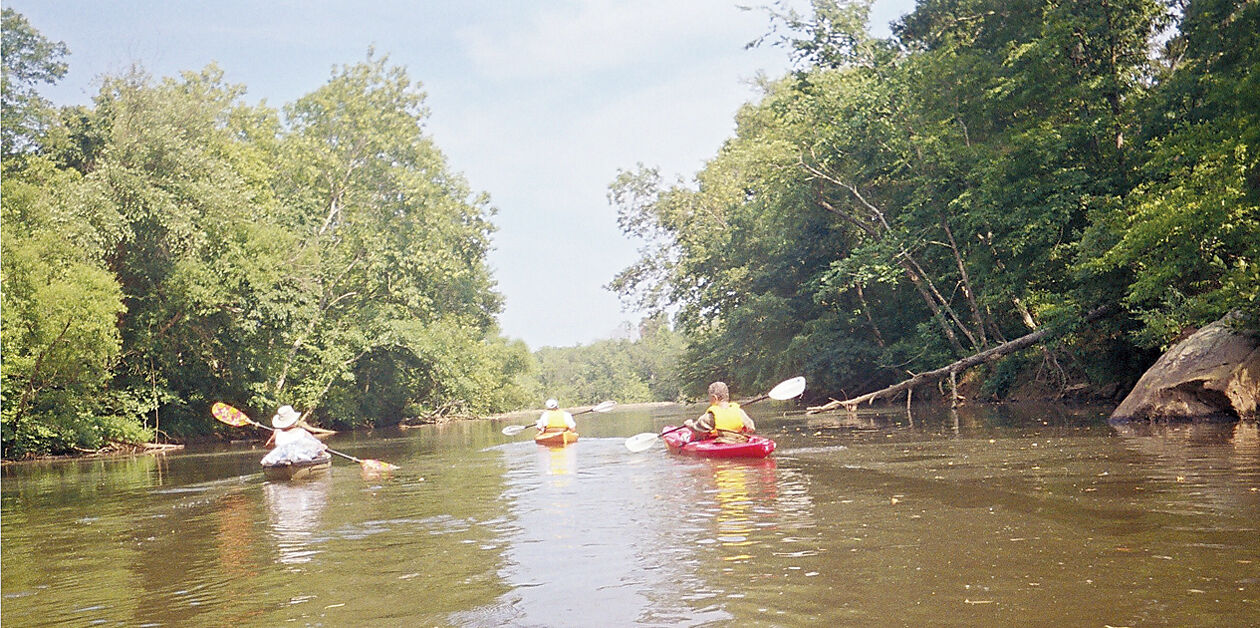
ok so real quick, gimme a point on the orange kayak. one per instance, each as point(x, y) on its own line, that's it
point(558, 438)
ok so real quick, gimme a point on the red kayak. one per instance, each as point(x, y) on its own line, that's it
point(680, 442)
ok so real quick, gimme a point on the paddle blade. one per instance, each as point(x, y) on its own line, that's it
point(513, 430)
point(604, 407)
point(788, 389)
point(228, 414)
point(377, 466)
point(641, 442)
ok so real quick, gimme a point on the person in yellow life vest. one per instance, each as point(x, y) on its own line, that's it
point(724, 420)
point(553, 419)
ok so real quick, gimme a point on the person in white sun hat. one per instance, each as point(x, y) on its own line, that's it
point(293, 443)
point(553, 419)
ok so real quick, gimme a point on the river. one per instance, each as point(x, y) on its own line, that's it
point(991, 516)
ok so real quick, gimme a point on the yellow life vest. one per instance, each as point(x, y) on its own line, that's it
point(727, 418)
point(555, 420)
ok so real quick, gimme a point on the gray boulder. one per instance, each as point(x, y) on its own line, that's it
point(1213, 374)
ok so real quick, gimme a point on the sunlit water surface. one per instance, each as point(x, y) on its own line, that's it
point(990, 516)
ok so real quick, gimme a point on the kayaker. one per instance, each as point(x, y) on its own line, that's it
point(724, 421)
point(293, 443)
point(553, 419)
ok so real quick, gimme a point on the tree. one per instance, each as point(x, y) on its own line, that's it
point(58, 314)
point(894, 206)
point(1186, 233)
point(171, 246)
point(29, 59)
point(622, 370)
point(60, 305)
point(390, 246)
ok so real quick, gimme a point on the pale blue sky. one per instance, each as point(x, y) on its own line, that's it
point(537, 103)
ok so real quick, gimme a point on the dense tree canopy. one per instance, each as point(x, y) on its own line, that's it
point(172, 245)
point(994, 168)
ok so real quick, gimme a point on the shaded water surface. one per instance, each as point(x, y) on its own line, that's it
point(992, 516)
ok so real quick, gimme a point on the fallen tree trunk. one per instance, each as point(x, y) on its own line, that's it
point(955, 368)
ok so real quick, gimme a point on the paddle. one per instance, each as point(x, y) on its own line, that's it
point(785, 390)
point(227, 414)
point(513, 430)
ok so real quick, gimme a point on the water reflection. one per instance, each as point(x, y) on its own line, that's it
point(558, 462)
point(744, 494)
point(1205, 458)
point(733, 530)
point(967, 518)
point(579, 550)
point(234, 516)
point(296, 509)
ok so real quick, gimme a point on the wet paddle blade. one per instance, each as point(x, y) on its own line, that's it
point(513, 430)
point(788, 389)
point(641, 442)
point(604, 407)
point(227, 414)
point(377, 466)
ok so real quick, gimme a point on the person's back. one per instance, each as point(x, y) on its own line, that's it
point(296, 436)
point(723, 420)
point(553, 419)
point(292, 443)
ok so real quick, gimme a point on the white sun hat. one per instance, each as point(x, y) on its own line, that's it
point(552, 404)
point(285, 417)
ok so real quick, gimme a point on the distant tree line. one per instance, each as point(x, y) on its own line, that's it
point(172, 245)
point(626, 371)
point(995, 167)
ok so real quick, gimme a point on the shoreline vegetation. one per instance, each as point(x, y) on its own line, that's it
point(516, 415)
point(891, 215)
point(125, 450)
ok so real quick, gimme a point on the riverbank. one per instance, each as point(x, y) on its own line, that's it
point(523, 414)
point(112, 450)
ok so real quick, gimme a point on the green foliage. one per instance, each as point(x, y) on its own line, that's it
point(1187, 232)
point(390, 254)
point(1005, 376)
point(29, 59)
point(172, 246)
point(622, 370)
point(59, 308)
point(996, 168)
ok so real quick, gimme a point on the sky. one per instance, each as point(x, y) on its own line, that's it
point(539, 104)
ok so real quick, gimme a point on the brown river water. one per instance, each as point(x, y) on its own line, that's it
point(991, 516)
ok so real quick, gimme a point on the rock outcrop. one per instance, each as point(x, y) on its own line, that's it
point(1213, 374)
